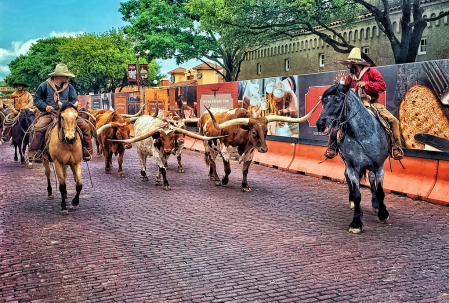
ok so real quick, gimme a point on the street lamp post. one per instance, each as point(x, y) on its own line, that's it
point(138, 72)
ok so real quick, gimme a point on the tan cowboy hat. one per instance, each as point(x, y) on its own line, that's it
point(355, 57)
point(20, 83)
point(61, 70)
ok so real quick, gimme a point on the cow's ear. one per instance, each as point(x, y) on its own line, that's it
point(156, 135)
point(114, 124)
point(245, 127)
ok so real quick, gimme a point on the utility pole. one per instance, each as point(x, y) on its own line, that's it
point(138, 73)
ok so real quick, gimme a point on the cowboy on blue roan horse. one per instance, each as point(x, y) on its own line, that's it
point(367, 83)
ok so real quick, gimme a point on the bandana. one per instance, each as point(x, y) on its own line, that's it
point(57, 92)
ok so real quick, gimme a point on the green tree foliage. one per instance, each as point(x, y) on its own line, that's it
point(99, 62)
point(271, 20)
point(170, 29)
point(34, 67)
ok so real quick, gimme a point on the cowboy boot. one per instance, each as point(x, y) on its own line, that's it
point(398, 153)
point(332, 144)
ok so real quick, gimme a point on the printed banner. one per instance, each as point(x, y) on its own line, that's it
point(217, 95)
point(96, 101)
point(143, 71)
point(132, 72)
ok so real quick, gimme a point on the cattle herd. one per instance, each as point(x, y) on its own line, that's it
point(229, 133)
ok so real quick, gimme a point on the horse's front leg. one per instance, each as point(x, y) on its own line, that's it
point(76, 169)
point(47, 174)
point(120, 162)
point(355, 196)
point(372, 183)
point(382, 214)
point(15, 152)
point(21, 153)
point(61, 173)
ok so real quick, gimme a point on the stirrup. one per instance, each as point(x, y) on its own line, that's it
point(397, 157)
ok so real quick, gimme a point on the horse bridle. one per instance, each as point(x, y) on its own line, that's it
point(341, 121)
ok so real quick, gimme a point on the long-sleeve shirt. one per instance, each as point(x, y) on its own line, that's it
point(44, 96)
point(374, 83)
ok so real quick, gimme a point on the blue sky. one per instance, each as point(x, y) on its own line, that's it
point(22, 22)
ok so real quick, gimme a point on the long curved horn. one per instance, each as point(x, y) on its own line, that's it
point(135, 115)
point(136, 139)
point(239, 121)
point(134, 119)
point(106, 126)
point(190, 120)
point(89, 114)
point(292, 120)
point(196, 136)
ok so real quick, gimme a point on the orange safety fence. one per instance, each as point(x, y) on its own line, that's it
point(416, 180)
point(440, 192)
point(280, 155)
point(188, 143)
point(198, 146)
point(309, 160)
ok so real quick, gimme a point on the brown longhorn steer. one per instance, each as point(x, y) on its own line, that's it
point(244, 133)
point(111, 125)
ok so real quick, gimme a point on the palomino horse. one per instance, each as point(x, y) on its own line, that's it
point(64, 149)
point(364, 147)
point(20, 137)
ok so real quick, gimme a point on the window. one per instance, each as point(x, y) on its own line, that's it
point(422, 50)
point(287, 64)
point(321, 59)
point(259, 69)
point(365, 50)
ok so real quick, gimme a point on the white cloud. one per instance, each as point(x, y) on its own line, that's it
point(65, 34)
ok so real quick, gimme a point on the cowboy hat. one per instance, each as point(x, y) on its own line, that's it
point(355, 57)
point(17, 83)
point(61, 70)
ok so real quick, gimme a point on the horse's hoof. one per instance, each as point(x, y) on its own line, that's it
point(383, 221)
point(357, 230)
point(181, 170)
point(50, 197)
point(167, 187)
point(145, 178)
point(375, 210)
point(16, 159)
point(224, 181)
point(64, 212)
point(121, 174)
point(351, 205)
point(217, 183)
point(22, 164)
point(246, 189)
point(75, 202)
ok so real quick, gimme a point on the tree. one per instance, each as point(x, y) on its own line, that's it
point(100, 62)
point(34, 67)
point(272, 20)
point(170, 29)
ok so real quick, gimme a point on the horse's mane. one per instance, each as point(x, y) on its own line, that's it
point(336, 89)
point(64, 106)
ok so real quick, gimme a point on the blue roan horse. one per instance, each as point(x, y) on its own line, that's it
point(365, 147)
point(20, 138)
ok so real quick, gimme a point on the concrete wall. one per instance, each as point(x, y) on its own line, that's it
point(303, 52)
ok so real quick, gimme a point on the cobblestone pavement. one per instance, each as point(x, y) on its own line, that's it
point(286, 241)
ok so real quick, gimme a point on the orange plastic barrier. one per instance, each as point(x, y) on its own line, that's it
point(417, 179)
point(440, 192)
point(188, 143)
point(198, 146)
point(307, 158)
point(280, 155)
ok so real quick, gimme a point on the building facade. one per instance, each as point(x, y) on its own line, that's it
point(309, 54)
point(198, 75)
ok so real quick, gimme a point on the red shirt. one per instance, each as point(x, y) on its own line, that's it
point(374, 83)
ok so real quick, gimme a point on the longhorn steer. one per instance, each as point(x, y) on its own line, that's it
point(244, 134)
point(160, 137)
point(111, 125)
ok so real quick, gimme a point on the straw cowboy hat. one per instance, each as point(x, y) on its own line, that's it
point(355, 57)
point(61, 70)
point(17, 83)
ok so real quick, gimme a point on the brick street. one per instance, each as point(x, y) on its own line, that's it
point(286, 241)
